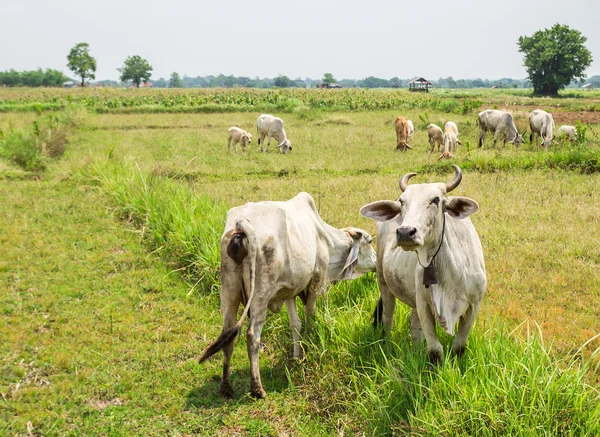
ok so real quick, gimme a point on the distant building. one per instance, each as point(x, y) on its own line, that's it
point(587, 86)
point(69, 84)
point(419, 84)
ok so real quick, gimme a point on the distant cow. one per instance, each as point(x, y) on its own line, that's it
point(436, 136)
point(499, 122)
point(450, 140)
point(568, 133)
point(410, 131)
point(541, 123)
point(429, 256)
point(269, 126)
point(237, 135)
point(401, 134)
point(272, 252)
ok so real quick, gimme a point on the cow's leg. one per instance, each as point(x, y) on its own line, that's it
point(496, 138)
point(268, 142)
point(228, 144)
point(464, 328)
point(384, 314)
point(295, 326)
point(416, 332)
point(235, 146)
point(230, 301)
point(257, 321)
point(261, 141)
point(434, 347)
point(481, 135)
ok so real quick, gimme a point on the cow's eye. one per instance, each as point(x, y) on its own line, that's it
point(435, 201)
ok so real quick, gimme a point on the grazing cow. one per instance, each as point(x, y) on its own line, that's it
point(237, 135)
point(541, 123)
point(568, 133)
point(450, 140)
point(270, 126)
point(401, 134)
point(499, 122)
point(429, 256)
point(272, 252)
point(435, 136)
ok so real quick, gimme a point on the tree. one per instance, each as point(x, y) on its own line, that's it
point(328, 79)
point(554, 57)
point(81, 62)
point(175, 81)
point(135, 69)
point(282, 81)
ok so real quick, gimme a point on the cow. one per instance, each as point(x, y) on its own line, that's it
point(568, 133)
point(499, 122)
point(401, 125)
point(410, 130)
point(450, 140)
point(429, 257)
point(435, 136)
point(237, 135)
point(269, 126)
point(272, 252)
point(541, 123)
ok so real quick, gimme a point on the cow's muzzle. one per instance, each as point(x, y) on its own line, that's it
point(407, 237)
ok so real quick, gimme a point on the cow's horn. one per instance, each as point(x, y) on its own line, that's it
point(456, 181)
point(404, 180)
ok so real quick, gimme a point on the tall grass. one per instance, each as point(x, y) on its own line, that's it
point(180, 226)
point(501, 387)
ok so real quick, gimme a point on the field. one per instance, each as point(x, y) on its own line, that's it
point(109, 267)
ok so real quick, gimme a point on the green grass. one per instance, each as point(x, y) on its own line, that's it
point(109, 272)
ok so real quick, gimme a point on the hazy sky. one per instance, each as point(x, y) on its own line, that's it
point(351, 39)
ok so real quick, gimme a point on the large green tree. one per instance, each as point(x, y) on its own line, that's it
point(282, 81)
point(175, 81)
point(81, 62)
point(328, 79)
point(554, 57)
point(135, 69)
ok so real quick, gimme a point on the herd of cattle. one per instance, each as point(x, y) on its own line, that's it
point(428, 256)
point(494, 121)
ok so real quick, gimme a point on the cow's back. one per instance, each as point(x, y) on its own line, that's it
point(401, 128)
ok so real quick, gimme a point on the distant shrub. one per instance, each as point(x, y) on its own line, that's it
point(22, 148)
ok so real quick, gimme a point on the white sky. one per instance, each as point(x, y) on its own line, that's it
point(351, 39)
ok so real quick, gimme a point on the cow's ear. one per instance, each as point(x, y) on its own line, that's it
point(460, 207)
point(381, 211)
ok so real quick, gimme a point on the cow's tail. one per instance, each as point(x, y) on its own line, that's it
point(258, 133)
point(378, 313)
point(235, 250)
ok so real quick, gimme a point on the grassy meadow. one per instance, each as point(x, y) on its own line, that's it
point(109, 268)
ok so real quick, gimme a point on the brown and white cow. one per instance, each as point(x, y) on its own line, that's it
point(436, 136)
point(429, 257)
point(237, 135)
point(272, 252)
point(401, 125)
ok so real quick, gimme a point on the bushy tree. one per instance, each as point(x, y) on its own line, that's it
point(328, 79)
point(81, 62)
point(135, 69)
point(282, 81)
point(175, 80)
point(554, 57)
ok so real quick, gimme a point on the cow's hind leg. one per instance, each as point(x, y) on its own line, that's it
point(230, 301)
point(295, 326)
point(465, 324)
point(257, 321)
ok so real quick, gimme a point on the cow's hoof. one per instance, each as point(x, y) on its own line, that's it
point(459, 351)
point(435, 358)
point(258, 393)
point(226, 390)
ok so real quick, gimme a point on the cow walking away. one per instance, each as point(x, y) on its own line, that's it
point(499, 122)
point(451, 140)
point(436, 136)
point(272, 252)
point(401, 125)
point(269, 126)
point(541, 124)
point(429, 257)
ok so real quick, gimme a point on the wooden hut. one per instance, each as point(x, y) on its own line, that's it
point(419, 84)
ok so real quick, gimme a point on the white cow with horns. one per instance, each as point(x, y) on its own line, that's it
point(268, 126)
point(272, 252)
point(429, 256)
point(499, 122)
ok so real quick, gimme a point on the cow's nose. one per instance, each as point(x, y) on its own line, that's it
point(405, 234)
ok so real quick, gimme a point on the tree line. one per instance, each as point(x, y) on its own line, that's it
point(555, 58)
